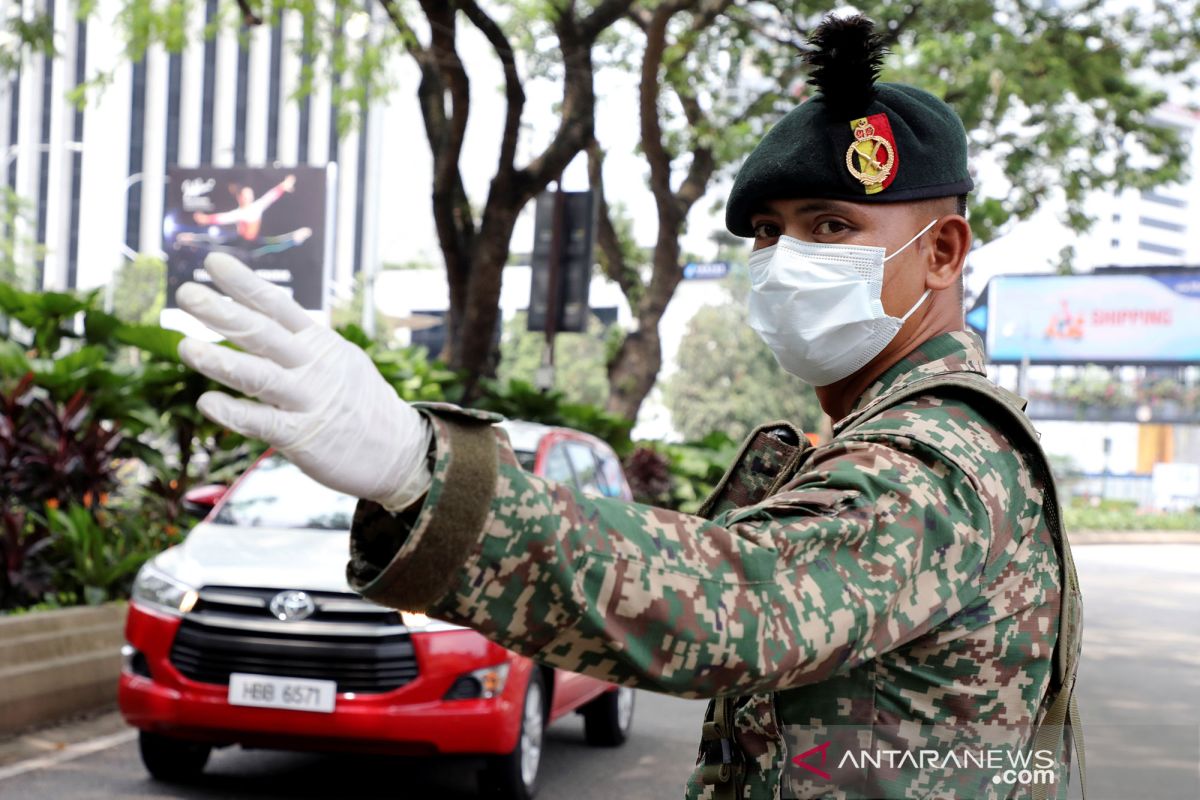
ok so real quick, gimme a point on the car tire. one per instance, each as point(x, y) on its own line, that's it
point(514, 776)
point(172, 760)
point(608, 719)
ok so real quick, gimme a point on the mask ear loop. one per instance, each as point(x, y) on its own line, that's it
point(928, 292)
point(921, 233)
point(912, 310)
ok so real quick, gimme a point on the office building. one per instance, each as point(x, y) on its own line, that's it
point(93, 177)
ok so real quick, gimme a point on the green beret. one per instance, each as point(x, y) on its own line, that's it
point(857, 140)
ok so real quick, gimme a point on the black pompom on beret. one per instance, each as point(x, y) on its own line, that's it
point(855, 140)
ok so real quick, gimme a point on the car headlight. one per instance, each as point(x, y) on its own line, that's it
point(157, 589)
point(483, 684)
point(416, 621)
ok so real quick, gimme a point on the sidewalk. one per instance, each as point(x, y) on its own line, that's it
point(53, 739)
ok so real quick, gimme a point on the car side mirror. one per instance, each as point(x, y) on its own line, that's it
point(201, 500)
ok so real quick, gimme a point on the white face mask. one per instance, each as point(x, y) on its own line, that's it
point(817, 306)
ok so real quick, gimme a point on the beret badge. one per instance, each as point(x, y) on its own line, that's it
point(872, 158)
point(847, 140)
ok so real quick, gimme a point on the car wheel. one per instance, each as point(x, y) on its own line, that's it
point(608, 718)
point(514, 776)
point(172, 760)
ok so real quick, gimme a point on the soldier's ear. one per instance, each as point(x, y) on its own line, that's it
point(949, 242)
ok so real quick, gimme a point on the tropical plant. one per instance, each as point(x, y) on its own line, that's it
point(50, 453)
point(94, 557)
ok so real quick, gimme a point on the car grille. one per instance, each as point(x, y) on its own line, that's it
point(361, 646)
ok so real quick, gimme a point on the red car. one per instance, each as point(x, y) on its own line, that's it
point(247, 633)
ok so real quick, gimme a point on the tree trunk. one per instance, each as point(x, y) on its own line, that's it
point(472, 346)
point(634, 367)
point(633, 371)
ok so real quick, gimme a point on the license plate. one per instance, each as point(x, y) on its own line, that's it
point(296, 694)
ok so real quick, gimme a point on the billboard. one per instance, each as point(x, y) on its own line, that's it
point(273, 219)
point(1102, 318)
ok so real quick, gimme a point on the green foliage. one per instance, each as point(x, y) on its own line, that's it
point(140, 290)
point(679, 476)
point(18, 249)
point(1056, 93)
point(80, 406)
point(519, 400)
point(417, 377)
point(1110, 515)
point(728, 379)
point(94, 555)
point(326, 52)
point(579, 359)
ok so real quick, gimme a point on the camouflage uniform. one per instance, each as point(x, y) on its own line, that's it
point(902, 574)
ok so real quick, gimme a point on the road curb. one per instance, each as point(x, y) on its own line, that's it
point(57, 664)
point(1133, 537)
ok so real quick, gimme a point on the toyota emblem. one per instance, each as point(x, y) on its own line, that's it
point(292, 606)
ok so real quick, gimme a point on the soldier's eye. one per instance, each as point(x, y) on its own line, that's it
point(830, 227)
point(767, 230)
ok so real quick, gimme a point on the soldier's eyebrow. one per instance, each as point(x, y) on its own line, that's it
point(817, 206)
point(762, 209)
point(798, 208)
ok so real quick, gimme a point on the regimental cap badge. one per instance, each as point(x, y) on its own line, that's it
point(872, 157)
point(845, 61)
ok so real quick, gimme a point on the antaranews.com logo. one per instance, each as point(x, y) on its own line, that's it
point(1007, 766)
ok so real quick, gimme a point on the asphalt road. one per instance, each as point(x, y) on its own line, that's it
point(653, 763)
point(1140, 693)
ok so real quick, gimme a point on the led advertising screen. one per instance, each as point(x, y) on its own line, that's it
point(273, 219)
point(1108, 318)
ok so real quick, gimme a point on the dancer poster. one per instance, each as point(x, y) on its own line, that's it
point(271, 218)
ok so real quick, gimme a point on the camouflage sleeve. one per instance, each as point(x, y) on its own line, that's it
point(877, 542)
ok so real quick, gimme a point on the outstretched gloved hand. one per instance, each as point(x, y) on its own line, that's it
point(323, 404)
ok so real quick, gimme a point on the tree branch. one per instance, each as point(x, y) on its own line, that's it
point(249, 17)
point(657, 157)
point(411, 42)
point(576, 115)
point(613, 256)
point(606, 13)
point(514, 93)
point(695, 183)
point(441, 73)
point(892, 35)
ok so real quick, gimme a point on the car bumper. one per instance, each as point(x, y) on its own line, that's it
point(410, 720)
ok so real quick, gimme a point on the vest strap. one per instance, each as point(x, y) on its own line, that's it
point(723, 764)
point(1064, 710)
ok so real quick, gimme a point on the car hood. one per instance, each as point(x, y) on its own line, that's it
point(273, 558)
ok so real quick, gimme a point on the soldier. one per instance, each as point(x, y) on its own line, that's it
point(869, 615)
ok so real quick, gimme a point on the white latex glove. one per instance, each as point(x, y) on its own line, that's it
point(324, 404)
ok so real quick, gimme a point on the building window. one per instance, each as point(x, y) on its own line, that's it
point(1162, 224)
point(208, 92)
point(1161, 249)
point(273, 94)
point(1162, 199)
point(1116, 243)
point(137, 135)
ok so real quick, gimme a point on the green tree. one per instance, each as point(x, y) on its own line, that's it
point(140, 290)
point(473, 236)
point(578, 360)
point(729, 381)
point(18, 247)
point(1060, 96)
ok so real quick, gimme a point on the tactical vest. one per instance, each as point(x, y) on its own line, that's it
point(774, 453)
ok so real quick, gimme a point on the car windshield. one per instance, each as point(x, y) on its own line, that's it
point(276, 494)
